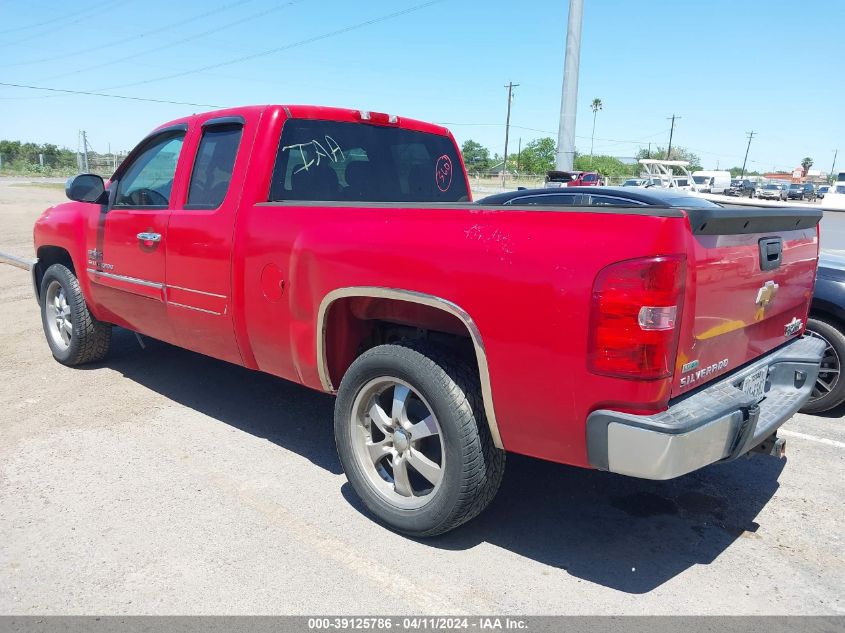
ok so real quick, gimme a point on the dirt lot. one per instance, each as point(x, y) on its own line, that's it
point(164, 482)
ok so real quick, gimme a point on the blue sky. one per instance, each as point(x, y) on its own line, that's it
point(725, 67)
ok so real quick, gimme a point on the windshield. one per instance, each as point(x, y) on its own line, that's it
point(795, 186)
point(770, 186)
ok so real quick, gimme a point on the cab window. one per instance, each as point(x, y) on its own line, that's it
point(148, 180)
point(213, 166)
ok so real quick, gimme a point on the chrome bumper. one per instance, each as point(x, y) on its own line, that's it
point(717, 422)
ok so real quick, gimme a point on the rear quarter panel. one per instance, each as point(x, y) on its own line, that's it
point(524, 277)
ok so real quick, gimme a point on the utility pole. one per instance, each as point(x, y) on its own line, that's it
point(518, 153)
point(748, 147)
point(84, 152)
point(511, 85)
point(671, 132)
point(565, 155)
point(648, 151)
point(832, 167)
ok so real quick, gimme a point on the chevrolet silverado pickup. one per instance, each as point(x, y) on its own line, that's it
point(340, 249)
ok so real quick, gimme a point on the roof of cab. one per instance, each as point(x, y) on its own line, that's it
point(311, 112)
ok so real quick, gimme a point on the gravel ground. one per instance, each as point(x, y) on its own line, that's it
point(164, 482)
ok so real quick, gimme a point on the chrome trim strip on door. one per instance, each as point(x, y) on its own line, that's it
point(187, 307)
point(131, 280)
point(423, 299)
point(199, 292)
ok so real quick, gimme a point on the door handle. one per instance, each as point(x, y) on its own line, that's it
point(149, 237)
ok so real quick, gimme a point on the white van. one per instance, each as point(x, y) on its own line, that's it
point(711, 181)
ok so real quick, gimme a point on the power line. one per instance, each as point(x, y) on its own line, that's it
point(64, 24)
point(56, 19)
point(179, 42)
point(533, 129)
point(279, 49)
point(166, 27)
point(101, 94)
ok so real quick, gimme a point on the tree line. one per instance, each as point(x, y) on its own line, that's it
point(538, 157)
point(18, 156)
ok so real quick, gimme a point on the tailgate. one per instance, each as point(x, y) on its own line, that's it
point(751, 273)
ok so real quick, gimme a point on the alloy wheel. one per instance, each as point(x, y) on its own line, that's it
point(59, 323)
point(397, 442)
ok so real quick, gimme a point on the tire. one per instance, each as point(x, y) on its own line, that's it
point(829, 391)
point(440, 389)
point(73, 334)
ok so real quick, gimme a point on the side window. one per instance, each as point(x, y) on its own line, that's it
point(213, 166)
point(590, 178)
point(560, 199)
point(148, 180)
point(609, 201)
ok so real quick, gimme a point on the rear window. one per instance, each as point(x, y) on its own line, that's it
point(357, 162)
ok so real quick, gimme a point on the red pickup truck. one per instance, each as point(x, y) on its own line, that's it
point(340, 249)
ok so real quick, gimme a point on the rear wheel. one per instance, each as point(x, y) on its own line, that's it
point(829, 390)
point(413, 438)
point(72, 332)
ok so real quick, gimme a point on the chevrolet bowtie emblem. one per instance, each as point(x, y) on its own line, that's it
point(766, 293)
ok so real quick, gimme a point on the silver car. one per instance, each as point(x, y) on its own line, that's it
point(772, 191)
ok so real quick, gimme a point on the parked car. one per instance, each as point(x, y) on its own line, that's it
point(821, 191)
point(556, 179)
point(339, 249)
point(772, 191)
point(712, 181)
point(801, 191)
point(835, 196)
point(827, 323)
point(602, 196)
point(742, 188)
point(634, 182)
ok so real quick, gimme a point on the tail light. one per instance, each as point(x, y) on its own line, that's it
point(636, 308)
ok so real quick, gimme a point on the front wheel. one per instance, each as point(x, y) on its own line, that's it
point(413, 438)
point(73, 334)
point(829, 390)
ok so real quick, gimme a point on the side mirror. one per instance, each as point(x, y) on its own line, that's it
point(85, 188)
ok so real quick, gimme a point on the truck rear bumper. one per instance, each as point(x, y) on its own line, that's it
point(717, 422)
